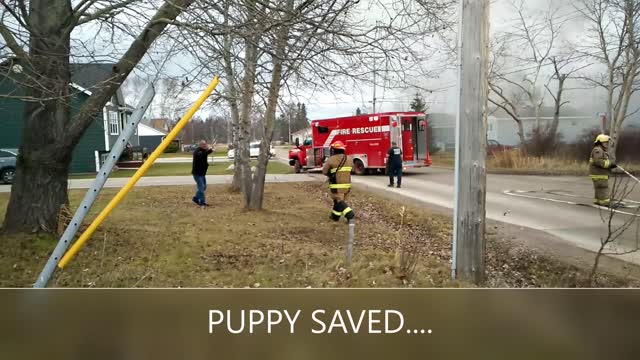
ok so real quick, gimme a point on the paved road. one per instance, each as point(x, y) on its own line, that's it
point(579, 225)
point(176, 180)
point(178, 160)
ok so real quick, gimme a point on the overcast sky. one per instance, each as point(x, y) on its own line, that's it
point(503, 18)
point(442, 99)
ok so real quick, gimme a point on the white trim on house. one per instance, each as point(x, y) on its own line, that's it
point(106, 128)
point(95, 153)
point(114, 122)
point(78, 87)
point(86, 91)
point(145, 130)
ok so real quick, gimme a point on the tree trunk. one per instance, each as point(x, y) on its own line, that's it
point(232, 98)
point(523, 140)
point(553, 129)
point(248, 90)
point(257, 195)
point(40, 185)
point(49, 136)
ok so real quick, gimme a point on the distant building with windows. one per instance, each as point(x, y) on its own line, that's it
point(500, 127)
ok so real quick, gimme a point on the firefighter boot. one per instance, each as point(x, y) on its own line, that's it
point(335, 212)
point(349, 214)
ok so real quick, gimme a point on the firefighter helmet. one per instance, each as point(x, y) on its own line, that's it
point(602, 138)
point(338, 145)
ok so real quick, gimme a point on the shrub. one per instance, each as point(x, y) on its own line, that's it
point(629, 146)
point(541, 143)
point(172, 148)
point(627, 151)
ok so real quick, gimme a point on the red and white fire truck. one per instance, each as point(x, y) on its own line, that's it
point(368, 138)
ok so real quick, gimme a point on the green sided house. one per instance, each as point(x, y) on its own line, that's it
point(98, 138)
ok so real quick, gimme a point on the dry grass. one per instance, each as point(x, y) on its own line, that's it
point(443, 159)
point(516, 162)
point(158, 238)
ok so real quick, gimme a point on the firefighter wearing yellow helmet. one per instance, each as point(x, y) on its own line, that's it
point(338, 169)
point(599, 169)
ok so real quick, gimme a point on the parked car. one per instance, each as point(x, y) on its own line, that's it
point(190, 148)
point(494, 147)
point(254, 151)
point(8, 165)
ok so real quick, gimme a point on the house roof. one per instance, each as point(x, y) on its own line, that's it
point(91, 75)
point(144, 130)
point(84, 77)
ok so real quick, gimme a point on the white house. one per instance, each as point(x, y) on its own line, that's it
point(505, 130)
point(149, 137)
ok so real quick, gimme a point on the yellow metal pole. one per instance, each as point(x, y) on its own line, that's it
point(141, 171)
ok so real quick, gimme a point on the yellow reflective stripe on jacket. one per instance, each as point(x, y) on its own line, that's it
point(342, 169)
point(337, 213)
point(606, 164)
point(599, 177)
point(339, 186)
point(347, 210)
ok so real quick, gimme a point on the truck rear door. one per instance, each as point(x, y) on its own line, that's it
point(408, 146)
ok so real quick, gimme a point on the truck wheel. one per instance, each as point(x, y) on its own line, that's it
point(296, 167)
point(358, 167)
point(7, 175)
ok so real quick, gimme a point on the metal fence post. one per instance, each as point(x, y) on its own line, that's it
point(95, 188)
point(352, 229)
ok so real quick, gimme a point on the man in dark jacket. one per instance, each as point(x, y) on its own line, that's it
point(199, 171)
point(394, 164)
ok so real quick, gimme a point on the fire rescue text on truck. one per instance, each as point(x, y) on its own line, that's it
point(368, 137)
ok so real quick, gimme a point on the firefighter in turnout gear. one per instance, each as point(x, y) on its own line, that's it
point(599, 169)
point(338, 169)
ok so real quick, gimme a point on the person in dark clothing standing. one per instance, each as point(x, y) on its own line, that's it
point(394, 164)
point(199, 171)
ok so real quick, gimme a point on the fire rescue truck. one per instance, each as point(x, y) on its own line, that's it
point(368, 138)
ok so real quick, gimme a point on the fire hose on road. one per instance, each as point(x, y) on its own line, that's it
point(629, 174)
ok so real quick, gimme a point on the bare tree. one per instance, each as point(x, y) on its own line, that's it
point(614, 31)
point(278, 59)
point(531, 45)
point(563, 70)
point(40, 40)
point(324, 44)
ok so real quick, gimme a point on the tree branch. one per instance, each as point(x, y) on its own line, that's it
point(18, 51)
point(83, 119)
point(82, 17)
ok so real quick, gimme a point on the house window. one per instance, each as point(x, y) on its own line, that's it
point(113, 123)
point(122, 118)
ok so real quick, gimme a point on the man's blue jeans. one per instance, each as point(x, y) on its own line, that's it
point(201, 183)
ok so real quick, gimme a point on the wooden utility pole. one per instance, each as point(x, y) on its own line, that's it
point(471, 143)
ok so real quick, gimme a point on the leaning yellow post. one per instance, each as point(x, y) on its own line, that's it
point(141, 171)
